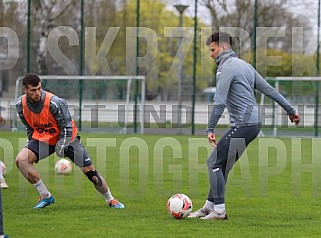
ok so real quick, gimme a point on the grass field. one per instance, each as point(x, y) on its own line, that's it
point(273, 191)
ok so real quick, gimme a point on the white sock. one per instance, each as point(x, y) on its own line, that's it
point(220, 208)
point(107, 195)
point(210, 205)
point(1, 175)
point(41, 188)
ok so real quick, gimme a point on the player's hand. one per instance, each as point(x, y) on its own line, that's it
point(60, 151)
point(60, 148)
point(212, 139)
point(295, 118)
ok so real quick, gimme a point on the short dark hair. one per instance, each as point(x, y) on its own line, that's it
point(219, 37)
point(31, 79)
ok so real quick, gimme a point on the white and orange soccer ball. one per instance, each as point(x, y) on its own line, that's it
point(63, 166)
point(179, 206)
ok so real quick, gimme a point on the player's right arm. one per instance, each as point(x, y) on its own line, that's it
point(19, 109)
point(223, 83)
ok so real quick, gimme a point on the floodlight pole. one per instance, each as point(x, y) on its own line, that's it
point(180, 9)
point(318, 74)
point(194, 69)
point(28, 37)
point(81, 61)
point(254, 33)
point(137, 70)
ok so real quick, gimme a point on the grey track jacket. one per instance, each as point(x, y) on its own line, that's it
point(58, 108)
point(236, 81)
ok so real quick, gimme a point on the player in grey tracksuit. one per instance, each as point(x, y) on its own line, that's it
point(235, 86)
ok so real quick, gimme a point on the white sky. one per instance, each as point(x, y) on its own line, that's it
point(306, 9)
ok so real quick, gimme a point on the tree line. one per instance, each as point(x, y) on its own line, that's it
point(110, 40)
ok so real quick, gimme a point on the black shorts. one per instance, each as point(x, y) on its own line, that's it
point(76, 151)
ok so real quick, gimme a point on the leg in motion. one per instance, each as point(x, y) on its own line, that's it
point(79, 155)
point(216, 164)
point(101, 186)
point(229, 150)
point(217, 187)
point(217, 179)
point(24, 162)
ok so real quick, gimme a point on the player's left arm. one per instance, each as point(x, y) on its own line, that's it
point(59, 109)
point(268, 90)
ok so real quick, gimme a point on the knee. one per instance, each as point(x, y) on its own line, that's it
point(25, 157)
point(94, 177)
point(21, 160)
point(211, 162)
point(212, 159)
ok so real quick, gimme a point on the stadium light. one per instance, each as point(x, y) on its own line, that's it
point(180, 8)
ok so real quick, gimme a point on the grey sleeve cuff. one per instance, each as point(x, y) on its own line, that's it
point(291, 111)
point(209, 130)
point(215, 116)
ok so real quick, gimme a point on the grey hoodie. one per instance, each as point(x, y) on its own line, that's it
point(236, 81)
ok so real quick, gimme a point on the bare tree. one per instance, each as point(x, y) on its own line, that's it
point(47, 12)
point(271, 13)
point(9, 17)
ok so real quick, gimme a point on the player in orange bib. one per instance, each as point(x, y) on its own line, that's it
point(51, 129)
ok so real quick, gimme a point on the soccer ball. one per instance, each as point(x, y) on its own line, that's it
point(63, 166)
point(179, 206)
point(3, 167)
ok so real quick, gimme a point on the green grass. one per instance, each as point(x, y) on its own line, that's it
point(263, 198)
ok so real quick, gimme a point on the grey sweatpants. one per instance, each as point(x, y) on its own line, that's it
point(229, 149)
